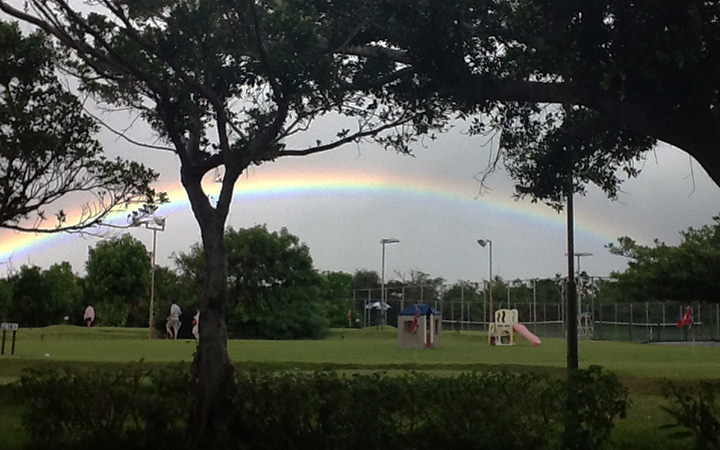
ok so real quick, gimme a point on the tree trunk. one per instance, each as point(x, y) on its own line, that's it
point(212, 368)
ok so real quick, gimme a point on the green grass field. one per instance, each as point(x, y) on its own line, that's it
point(641, 367)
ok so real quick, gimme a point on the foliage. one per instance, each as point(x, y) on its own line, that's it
point(321, 410)
point(274, 290)
point(338, 299)
point(110, 409)
point(418, 286)
point(687, 272)
point(6, 295)
point(118, 281)
point(593, 401)
point(47, 148)
point(44, 297)
point(366, 279)
point(696, 410)
point(527, 72)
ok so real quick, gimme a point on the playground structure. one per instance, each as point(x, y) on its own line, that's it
point(502, 330)
point(419, 326)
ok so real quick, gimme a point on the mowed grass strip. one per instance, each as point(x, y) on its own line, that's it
point(368, 348)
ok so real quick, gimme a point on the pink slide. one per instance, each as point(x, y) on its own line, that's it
point(522, 329)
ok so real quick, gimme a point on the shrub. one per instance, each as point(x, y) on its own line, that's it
point(141, 408)
point(593, 400)
point(132, 407)
point(696, 410)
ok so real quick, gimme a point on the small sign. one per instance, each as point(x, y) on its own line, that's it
point(8, 326)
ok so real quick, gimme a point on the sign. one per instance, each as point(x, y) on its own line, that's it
point(8, 326)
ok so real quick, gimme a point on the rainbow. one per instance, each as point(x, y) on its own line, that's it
point(287, 185)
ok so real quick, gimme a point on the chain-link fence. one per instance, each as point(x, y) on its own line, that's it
point(642, 322)
point(653, 321)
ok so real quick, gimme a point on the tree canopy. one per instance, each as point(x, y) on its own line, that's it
point(36, 298)
point(574, 88)
point(118, 281)
point(274, 290)
point(685, 273)
point(47, 149)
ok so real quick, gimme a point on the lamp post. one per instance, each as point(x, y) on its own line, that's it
point(383, 303)
point(578, 256)
point(483, 243)
point(155, 224)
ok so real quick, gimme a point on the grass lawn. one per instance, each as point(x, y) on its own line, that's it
point(641, 367)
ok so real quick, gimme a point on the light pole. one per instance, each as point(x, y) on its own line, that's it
point(483, 243)
point(578, 256)
point(383, 303)
point(155, 224)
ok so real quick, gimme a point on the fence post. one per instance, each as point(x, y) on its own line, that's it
point(462, 306)
point(600, 317)
point(700, 320)
point(631, 320)
point(452, 315)
point(534, 306)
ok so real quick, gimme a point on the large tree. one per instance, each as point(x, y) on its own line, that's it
point(47, 149)
point(118, 281)
point(274, 292)
point(224, 83)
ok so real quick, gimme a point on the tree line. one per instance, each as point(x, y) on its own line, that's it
point(276, 292)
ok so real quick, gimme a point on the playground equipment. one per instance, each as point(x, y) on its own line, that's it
point(502, 330)
point(585, 325)
point(419, 326)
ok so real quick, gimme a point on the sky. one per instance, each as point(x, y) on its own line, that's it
point(342, 203)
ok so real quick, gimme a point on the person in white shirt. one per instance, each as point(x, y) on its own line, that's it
point(89, 316)
point(173, 321)
point(196, 324)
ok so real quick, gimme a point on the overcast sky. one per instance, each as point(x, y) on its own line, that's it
point(342, 203)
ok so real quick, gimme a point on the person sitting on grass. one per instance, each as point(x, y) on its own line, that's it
point(173, 321)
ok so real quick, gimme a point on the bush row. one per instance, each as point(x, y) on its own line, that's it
point(142, 408)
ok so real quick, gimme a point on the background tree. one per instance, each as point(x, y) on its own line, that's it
point(118, 281)
point(367, 280)
point(6, 294)
point(684, 273)
point(47, 149)
point(44, 297)
point(415, 287)
point(463, 290)
point(224, 83)
point(336, 292)
point(274, 290)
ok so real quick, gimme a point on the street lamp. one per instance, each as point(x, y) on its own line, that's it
point(483, 243)
point(578, 256)
point(155, 224)
point(383, 303)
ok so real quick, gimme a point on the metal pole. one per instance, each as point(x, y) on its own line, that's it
point(534, 306)
point(382, 284)
point(152, 285)
point(508, 294)
point(571, 294)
